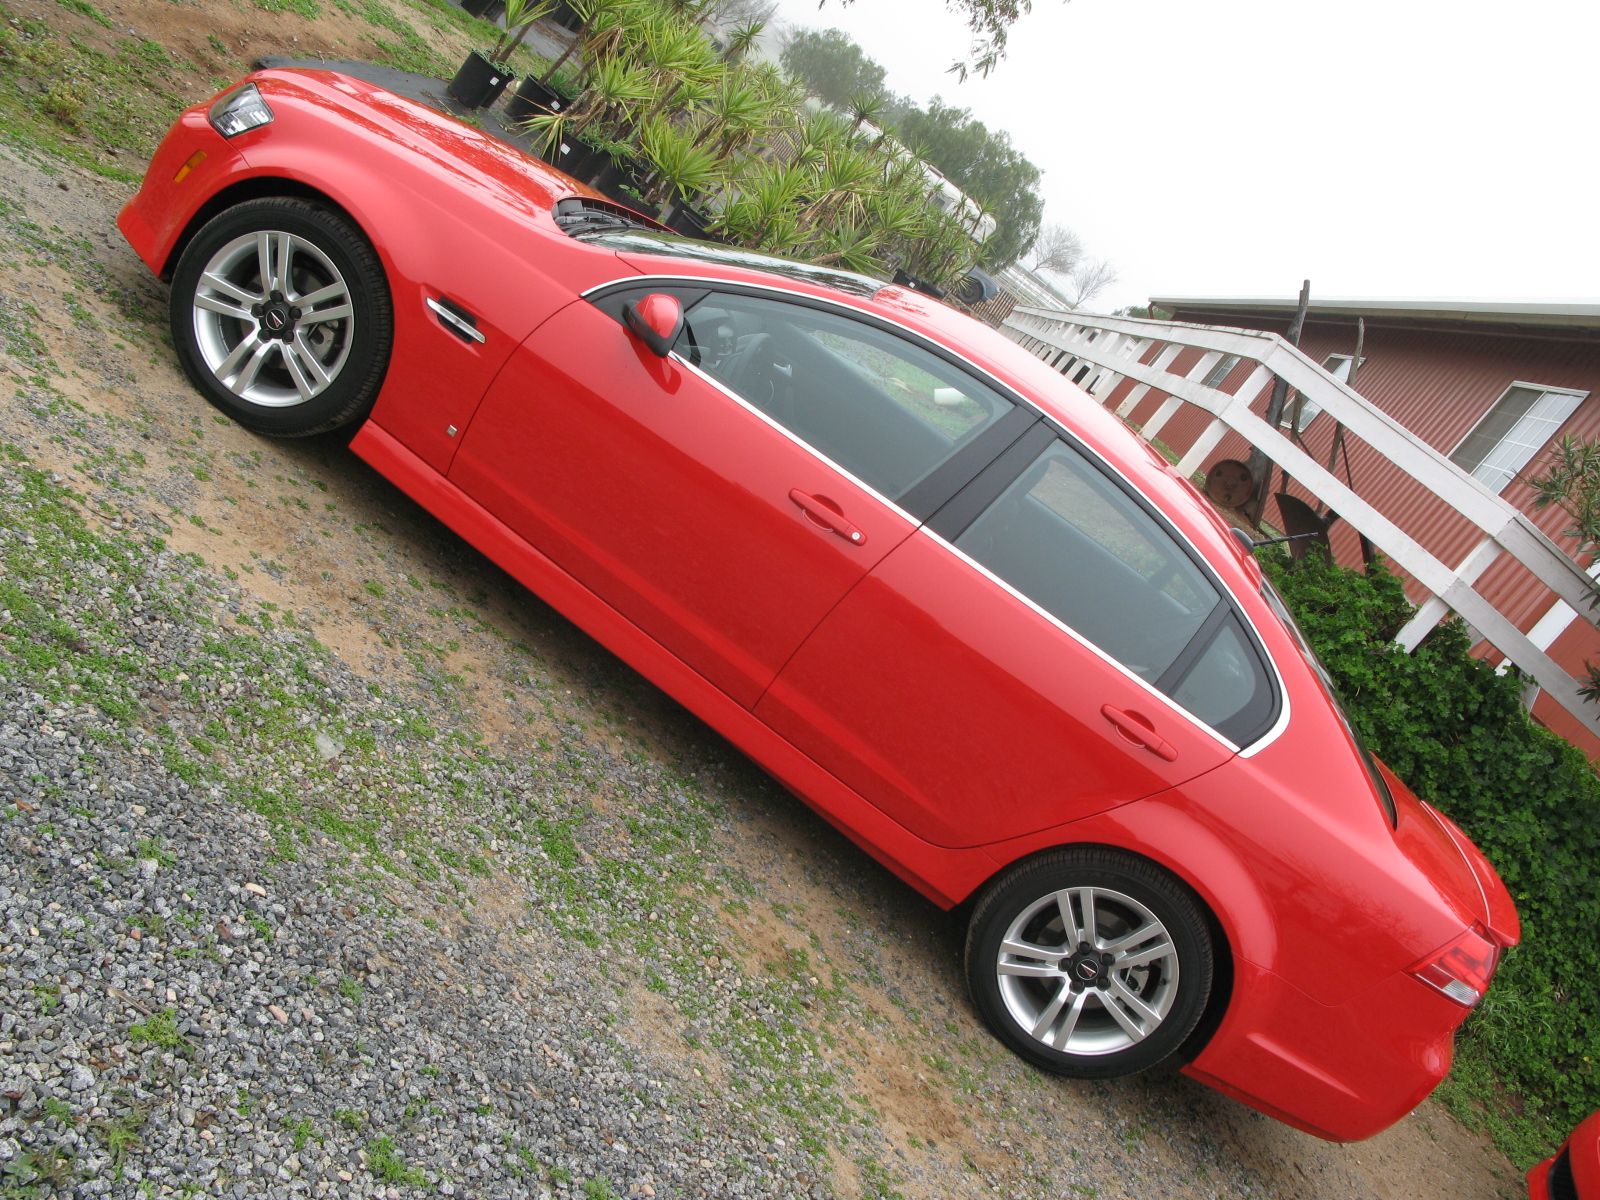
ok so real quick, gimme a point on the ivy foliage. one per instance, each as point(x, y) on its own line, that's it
point(1457, 733)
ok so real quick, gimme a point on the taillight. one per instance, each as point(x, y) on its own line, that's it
point(1461, 969)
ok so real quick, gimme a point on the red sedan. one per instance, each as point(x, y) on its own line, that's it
point(942, 595)
point(1573, 1172)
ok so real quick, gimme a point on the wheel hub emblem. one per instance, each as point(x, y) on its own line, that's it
point(1087, 969)
point(276, 319)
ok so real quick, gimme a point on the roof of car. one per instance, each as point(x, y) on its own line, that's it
point(649, 241)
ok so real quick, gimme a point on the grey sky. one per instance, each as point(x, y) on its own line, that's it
point(1382, 148)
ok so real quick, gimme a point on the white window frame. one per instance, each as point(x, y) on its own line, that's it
point(1496, 477)
point(1221, 371)
point(1337, 365)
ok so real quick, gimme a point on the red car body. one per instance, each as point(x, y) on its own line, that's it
point(1573, 1172)
point(923, 706)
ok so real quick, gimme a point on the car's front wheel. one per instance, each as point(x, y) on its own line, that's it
point(1090, 962)
point(281, 315)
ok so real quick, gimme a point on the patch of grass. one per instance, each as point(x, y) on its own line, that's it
point(74, 101)
point(83, 8)
point(386, 1164)
point(160, 1030)
point(302, 1132)
point(119, 1136)
point(155, 849)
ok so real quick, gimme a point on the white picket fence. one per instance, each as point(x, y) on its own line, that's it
point(1099, 352)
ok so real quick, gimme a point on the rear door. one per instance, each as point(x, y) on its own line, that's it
point(1046, 648)
point(724, 498)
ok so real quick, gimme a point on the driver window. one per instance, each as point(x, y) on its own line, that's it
point(878, 405)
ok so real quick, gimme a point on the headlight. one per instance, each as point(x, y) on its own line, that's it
point(239, 110)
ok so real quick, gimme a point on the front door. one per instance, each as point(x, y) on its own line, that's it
point(725, 497)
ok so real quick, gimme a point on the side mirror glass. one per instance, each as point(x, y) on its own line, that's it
point(656, 320)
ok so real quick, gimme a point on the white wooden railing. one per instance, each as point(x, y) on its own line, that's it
point(1099, 352)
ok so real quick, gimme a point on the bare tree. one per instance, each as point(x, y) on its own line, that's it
point(1089, 278)
point(1057, 250)
point(729, 13)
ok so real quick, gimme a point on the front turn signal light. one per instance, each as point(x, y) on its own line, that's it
point(1462, 968)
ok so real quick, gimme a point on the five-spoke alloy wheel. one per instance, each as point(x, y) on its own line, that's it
point(1090, 962)
point(282, 316)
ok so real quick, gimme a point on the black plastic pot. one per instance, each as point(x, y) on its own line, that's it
point(579, 159)
point(479, 81)
point(532, 98)
point(919, 285)
point(690, 222)
point(566, 16)
point(619, 179)
point(489, 10)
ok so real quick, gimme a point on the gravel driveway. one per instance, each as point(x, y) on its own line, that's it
point(333, 864)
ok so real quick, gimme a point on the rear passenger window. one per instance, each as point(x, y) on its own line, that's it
point(1079, 547)
point(877, 404)
point(1076, 544)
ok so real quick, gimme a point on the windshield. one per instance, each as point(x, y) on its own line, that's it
point(1276, 603)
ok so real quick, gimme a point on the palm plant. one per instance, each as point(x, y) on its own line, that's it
point(738, 111)
point(601, 23)
point(767, 196)
point(850, 245)
point(520, 17)
point(864, 107)
point(682, 162)
point(842, 183)
point(615, 90)
point(741, 40)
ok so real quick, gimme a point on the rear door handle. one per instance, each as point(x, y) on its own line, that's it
point(825, 512)
point(1138, 730)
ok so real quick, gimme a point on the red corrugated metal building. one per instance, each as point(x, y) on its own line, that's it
point(1490, 385)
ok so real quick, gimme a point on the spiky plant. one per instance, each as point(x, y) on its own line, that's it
point(520, 17)
point(682, 163)
point(741, 40)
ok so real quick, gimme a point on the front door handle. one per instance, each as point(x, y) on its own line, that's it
point(825, 513)
point(1137, 729)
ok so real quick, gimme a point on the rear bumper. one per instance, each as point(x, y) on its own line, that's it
point(1342, 1072)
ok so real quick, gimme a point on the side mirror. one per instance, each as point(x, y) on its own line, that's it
point(656, 320)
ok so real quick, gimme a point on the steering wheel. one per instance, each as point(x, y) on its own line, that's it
point(750, 365)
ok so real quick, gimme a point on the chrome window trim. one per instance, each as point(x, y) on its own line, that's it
point(713, 284)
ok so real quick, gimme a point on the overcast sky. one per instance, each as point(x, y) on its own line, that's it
point(1380, 148)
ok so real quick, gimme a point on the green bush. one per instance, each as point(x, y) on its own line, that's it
point(1457, 733)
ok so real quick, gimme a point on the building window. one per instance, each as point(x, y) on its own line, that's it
point(1220, 372)
point(1518, 426)
point(1337, 365)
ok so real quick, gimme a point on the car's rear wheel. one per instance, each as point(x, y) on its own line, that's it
point(281, 315)
point(1090, 962)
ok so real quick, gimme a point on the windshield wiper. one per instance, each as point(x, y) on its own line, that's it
point(590, 221)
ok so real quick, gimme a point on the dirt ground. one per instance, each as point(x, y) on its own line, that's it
point(309, 528)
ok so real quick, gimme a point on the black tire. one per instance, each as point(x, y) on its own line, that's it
point(246, 336)
point(1132, 1011)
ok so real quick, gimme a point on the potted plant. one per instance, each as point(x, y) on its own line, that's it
point(485, 74)
point(534, 96)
